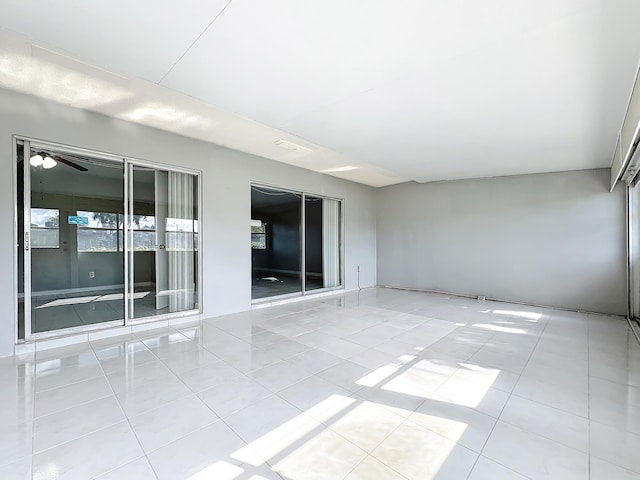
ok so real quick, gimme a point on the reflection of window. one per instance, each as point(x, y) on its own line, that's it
point(258, 235)
point(45, 228)
point(104, 232)
point(100, 234)
point(181, 234)
point(144, 233)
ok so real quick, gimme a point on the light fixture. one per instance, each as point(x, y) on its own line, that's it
point(294, 148)
point(346, 168)
point(48, 162)
point(36, 160)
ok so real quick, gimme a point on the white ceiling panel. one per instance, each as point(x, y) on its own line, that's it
point(29, 69)
point(134, 38)
point(271, 61)
point(549, 99)
point(376, 91)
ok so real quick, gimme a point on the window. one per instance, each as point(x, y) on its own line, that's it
point(45, 228)
point(258, 235)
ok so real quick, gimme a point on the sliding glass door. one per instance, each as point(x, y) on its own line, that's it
point(296, 242)
point(92, 227)
point(68, 230)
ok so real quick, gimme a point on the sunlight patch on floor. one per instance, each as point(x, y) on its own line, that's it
point(498, 328)
point(515, 313)
point(220, 471)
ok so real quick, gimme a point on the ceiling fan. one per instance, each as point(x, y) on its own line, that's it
point(46, 160)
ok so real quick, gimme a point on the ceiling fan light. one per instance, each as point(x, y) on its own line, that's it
point(48, 162)
point(36, 160)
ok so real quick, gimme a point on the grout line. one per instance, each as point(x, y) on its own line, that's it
point(69, 384)
point(505, 404)
point(196, 395)
point(72, 406)
point(126, 417)
point(33, 410)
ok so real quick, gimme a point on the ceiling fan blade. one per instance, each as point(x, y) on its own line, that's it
point(69, 163)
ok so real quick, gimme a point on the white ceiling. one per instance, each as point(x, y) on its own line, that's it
point(376, 91)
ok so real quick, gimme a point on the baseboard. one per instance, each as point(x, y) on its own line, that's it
point(501, 300)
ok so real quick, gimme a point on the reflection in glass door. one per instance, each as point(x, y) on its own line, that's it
point(71, 206)
point(313, 243)
point(163, 242)
point(275, 242)
point(84, 240)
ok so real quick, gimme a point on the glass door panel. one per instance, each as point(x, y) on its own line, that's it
point(76, 264)
point(21, 252)
point(163, 239)
point(331, 246)
point(322, 243)
point(634, 250)
point(276, 238)
point(313, 243)
point(142, 236)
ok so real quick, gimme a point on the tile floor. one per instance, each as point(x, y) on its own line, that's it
point(380, 384)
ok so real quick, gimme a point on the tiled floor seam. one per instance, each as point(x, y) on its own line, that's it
point(67, 384)
point(126, 417)
point(86, 434)
point(505, 404)
point(97, 477)
point(270, 461)
point(33, 411)
point(631, 472)
point(248, 444)
point(369, 455)
point(177, 439)
point(196, 394)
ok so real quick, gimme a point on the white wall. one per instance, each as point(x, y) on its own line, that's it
point(552, 239)
point(227, 175)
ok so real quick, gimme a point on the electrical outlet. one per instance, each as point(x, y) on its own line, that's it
point(92, 274)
